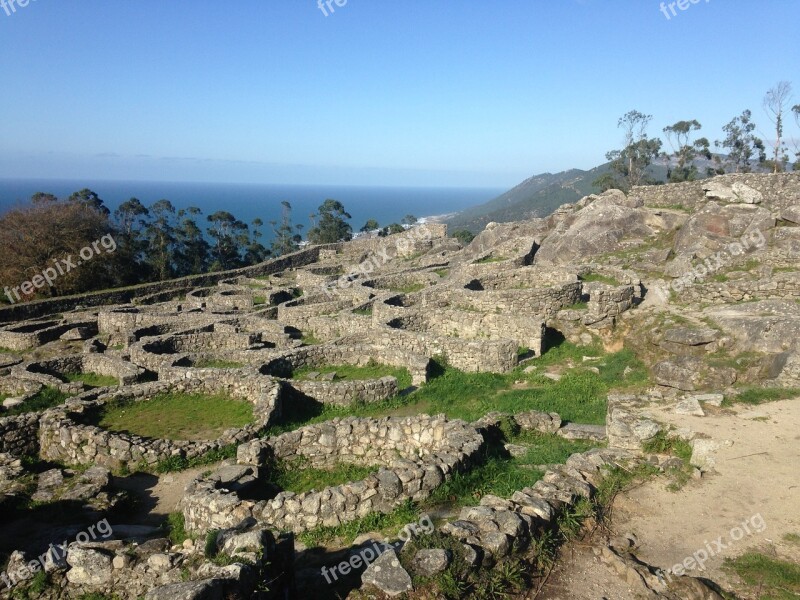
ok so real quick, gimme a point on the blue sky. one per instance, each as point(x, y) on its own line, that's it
point(413, 92)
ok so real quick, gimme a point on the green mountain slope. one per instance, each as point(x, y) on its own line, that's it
point(539, 196)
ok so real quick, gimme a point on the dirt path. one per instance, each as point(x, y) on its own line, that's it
point(158, 495)
point(755, 488)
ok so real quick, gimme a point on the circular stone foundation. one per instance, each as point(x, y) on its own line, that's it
point(415, 456)
point(68, 435)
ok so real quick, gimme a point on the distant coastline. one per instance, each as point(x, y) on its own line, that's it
point(246, 201)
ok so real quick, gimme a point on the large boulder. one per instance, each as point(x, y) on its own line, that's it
point(602, 226)
point(716, 189)
point(716, 227)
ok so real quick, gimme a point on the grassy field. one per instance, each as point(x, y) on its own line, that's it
point(596, 277)
point(408, 289)
point(218, 364)
point(579, 396)
point(92, 379)
point(350, 373)
point(501, 474)
point(298, 478)
point(178, 416)
point(47, 398)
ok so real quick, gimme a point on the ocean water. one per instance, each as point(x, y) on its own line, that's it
point(247, 201)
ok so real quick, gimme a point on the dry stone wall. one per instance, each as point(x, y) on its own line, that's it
point(65, 435)
point(415, 456)
point(778, 191)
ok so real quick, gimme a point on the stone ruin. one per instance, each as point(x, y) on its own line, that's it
point(405, 301)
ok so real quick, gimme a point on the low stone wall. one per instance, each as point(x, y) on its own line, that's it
point(26, 336)
point(523, 330)
point(400, 281)
point(51, 306)
point(779, 285)
point(544, 302)
point(356, 354)
point(51, 372)
point(607, 302)
point(64, 436)
point(19, 435)
point(778, 191)
point(534, 276)
point(155, 353)
point(330, 327)
point(298, 312)
point(417, 453)
point(472, 356)
point(346, 393)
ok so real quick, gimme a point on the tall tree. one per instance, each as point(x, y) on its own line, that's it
point(230, 236)
point(796, 111)
point(160, 236)
point(131, 219)
point(286, 236)
point(332, 224)
point(776, 103)
point(89, 198)
point(685, 152)
point(630, 164)
point(741, 143)
point(255, 251)
point(192, 254)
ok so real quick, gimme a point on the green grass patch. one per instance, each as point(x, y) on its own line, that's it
point(218, 364)
point(579, 306)
point(761, 395)
point(775, 579)
point(310, 340)
point(665, 443)
point(352, 373)
point(92, 379)
point(442, 272)
point(489, 259)
point(597, 278)
point(181, 463)
point(408, 289)
point(501, 474)
point(46, 398)
point(375, 522)
point(367, 312)
point(259, 300)
point(296, 477)
point(176, 528)
point(177, 416)
point(7, 351)
point(580, 396)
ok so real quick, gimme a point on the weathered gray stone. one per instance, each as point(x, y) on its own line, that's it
point(388, 575)
point(430, 562)
point(689, 406)
point(211, 589)
point(89, 566)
